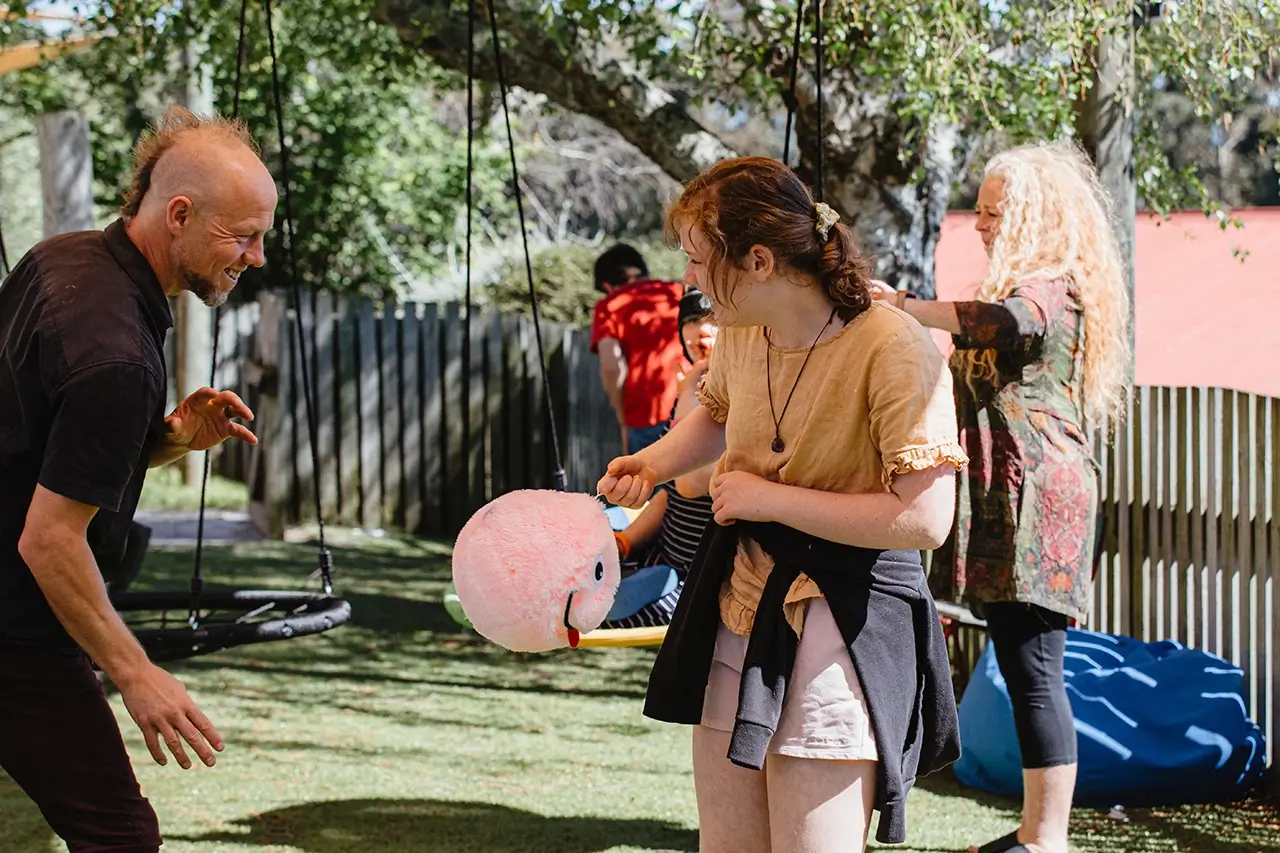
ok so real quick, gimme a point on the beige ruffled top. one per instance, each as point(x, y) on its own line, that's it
point(875, 400)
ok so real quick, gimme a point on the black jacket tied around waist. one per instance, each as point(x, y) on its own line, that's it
point(882, 606)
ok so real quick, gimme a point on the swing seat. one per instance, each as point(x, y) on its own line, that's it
point(453, 606)
point(618, 638)
point(227, 618)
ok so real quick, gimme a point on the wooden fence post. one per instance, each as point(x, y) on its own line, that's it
point(270, 475)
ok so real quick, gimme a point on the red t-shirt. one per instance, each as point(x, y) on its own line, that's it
point(644, 317)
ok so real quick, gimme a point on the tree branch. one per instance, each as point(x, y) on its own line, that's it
point(12, 138)
point(580, 77)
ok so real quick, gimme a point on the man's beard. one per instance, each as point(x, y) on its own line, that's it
point(204, 290)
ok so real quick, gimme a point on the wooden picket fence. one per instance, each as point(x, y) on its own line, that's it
point(1192, 538)
point(417, 427)
point(413, 435)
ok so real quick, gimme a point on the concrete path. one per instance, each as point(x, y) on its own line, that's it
point(171, 527)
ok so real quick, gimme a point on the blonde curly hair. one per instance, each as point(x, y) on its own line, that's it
point(1055, 221)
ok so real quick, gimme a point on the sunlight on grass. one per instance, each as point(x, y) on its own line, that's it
point(164, 489)
point(398, 733)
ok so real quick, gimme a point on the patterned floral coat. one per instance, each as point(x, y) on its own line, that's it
point(1026, 509)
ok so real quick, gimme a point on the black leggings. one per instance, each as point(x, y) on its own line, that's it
point(1030, 642)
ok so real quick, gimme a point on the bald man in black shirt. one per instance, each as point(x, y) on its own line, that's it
point(83, 319)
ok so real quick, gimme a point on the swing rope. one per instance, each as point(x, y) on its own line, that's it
point(791, 97)
point(4, 256)
point(466, 327)
point(197, 579)
point(820, 171)
point(612, 637)
point(515, 177)
point(560, 481)
point(324, 557)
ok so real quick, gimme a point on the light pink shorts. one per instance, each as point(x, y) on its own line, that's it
point(824, 714)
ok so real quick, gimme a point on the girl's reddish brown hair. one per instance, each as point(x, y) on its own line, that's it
point(757, 201)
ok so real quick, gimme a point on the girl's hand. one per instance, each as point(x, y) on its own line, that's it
point(739, 495)
point(628, 482)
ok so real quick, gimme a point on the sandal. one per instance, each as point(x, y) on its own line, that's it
point(1004, 844)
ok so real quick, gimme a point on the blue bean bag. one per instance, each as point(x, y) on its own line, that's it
point(1156, 724)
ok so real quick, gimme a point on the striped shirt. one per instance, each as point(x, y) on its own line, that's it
point(683, 524)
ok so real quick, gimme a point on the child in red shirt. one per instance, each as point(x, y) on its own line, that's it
point(635, 331)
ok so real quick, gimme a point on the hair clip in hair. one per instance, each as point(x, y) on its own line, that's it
point(826, 218)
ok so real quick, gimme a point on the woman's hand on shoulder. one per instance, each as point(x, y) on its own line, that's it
point(627, 482)
point(882, 291)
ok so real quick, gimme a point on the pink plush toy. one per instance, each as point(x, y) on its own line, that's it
point(536, 568)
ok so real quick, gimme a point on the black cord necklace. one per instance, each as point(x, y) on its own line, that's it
point(778, 446)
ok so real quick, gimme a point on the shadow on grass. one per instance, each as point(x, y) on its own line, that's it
point(393, 614)
point(436, 826)
point(558, 688)
point(22, 828)
point(1226, 828)
point(1230, 828)
point(269, 563)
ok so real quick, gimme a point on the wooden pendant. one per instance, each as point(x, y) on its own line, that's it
point(777, 446)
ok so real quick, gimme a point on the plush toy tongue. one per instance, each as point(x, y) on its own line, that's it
point(573, 632)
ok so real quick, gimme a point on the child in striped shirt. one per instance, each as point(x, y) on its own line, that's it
point(658, 546)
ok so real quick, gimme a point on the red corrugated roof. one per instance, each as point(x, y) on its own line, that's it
point(1205, 317)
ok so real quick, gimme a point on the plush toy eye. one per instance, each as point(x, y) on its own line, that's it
point(599, 576)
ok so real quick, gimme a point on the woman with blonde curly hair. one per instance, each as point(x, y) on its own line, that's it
point(1042, 352)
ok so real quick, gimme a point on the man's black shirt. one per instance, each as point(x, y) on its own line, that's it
point(83, 381)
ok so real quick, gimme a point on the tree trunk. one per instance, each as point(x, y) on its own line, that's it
point(896, 207)
point(1105, 125)
point(66, 172)
point(578, 76)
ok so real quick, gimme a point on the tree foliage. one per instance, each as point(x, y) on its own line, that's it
point(613, 102)
point(377, 160)
point(1014, 70)
point(915, 92)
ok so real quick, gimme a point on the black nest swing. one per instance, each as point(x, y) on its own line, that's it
point(176, 624)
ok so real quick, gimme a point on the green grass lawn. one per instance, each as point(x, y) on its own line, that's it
point(398, 733)
point(164, 489)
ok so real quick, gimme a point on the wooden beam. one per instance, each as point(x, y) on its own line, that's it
point(28, 54)
point(31, 15)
